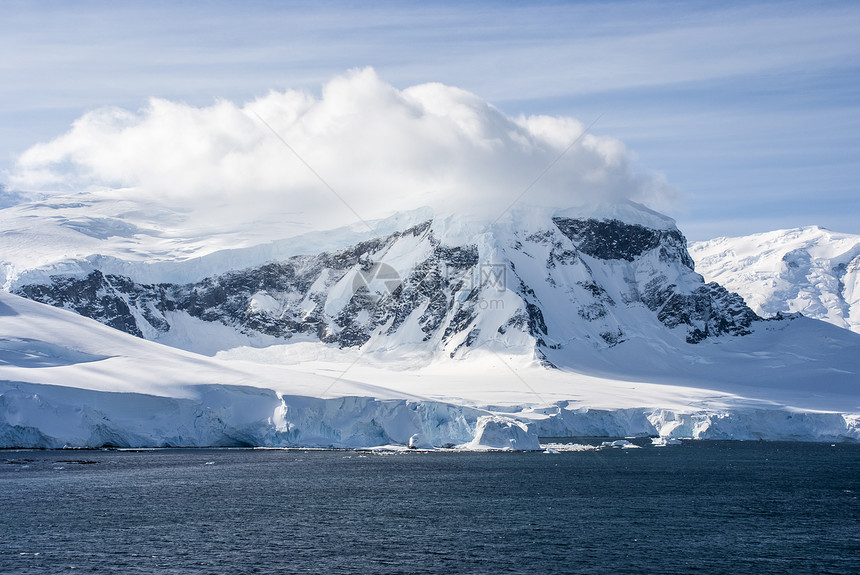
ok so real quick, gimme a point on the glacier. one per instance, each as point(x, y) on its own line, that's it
point(589, 321)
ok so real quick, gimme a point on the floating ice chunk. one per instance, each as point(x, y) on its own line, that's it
point(618, 444)
point(560, 447)
point(664, 441)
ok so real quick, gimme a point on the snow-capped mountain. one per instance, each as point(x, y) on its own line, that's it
point(534, 287)
point(810, 270)
point(420, 329)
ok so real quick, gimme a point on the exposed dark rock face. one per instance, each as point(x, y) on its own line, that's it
point(616, 240)
point(710, 310)
point(95, 297)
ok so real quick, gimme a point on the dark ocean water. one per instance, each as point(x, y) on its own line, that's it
point(702, 507)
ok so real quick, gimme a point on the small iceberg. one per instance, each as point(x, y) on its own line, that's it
point(664, 441)
point(618, 444)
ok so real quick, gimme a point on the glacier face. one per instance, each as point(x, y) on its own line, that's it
point(810, 270)
point(51, 417)
point(43, 416)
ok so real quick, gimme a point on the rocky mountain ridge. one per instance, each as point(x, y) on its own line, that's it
point(569, 279)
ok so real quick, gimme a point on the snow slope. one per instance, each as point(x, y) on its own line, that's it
point(152, 242)
point(809, 270)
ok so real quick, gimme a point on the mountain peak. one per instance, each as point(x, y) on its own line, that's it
point(625, 211)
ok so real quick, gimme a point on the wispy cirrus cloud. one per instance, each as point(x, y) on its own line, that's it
point(552, 50)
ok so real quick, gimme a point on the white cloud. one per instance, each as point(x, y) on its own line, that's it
point(379, 148)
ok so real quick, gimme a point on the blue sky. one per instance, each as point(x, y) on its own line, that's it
point(751, 111)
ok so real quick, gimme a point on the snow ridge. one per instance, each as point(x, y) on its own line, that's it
point(809, 270)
